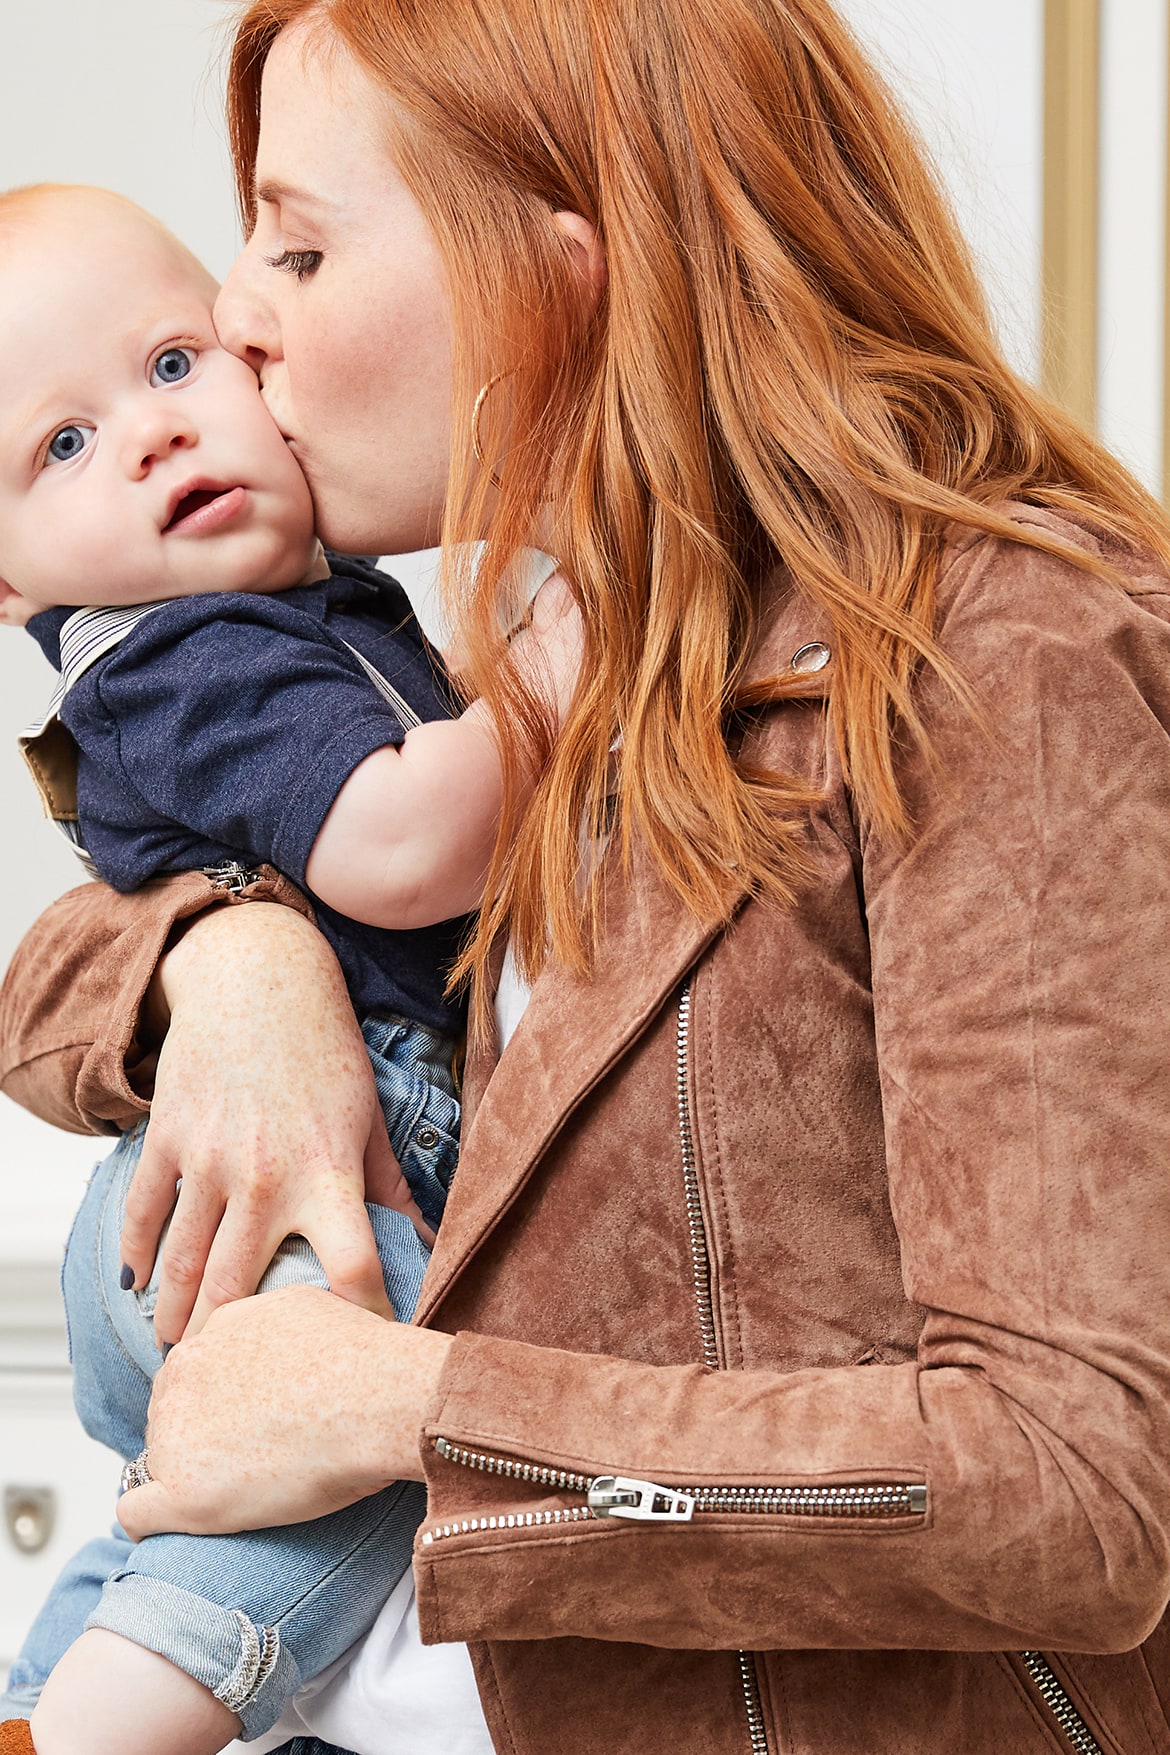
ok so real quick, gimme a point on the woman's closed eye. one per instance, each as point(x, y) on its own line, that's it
point(302, 263)
point(67, 443)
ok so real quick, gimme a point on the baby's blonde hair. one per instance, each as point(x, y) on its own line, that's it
point(30, 202)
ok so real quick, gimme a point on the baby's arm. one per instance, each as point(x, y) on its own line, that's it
point(408, 839)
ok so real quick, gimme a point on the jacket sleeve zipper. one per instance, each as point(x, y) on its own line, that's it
point(628, 1497)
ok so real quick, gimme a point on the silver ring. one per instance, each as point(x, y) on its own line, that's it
point(136, 1473)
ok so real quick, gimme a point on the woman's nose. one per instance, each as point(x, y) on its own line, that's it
point(243, 320)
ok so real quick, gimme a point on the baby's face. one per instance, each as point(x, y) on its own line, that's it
point(137, 460)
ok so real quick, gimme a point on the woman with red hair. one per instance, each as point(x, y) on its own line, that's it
point(792, 1371)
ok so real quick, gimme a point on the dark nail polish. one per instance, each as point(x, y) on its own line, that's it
point(126, 1277)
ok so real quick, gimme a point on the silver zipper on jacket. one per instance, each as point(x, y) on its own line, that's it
point(1069, 1721)
point(624, 1496)
point(749, 1677)
point(701, 1279)
point(875, 1499)
point(696, 1230)
point(605, 1496)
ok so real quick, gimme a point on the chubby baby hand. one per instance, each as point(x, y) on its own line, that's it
point(15, 610)
point(550, 648)
point(386, 1186)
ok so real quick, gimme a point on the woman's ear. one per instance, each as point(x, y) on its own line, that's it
point(587, 250)
point(15, 610)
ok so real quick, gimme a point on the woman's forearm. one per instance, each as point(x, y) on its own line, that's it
point(209, 955)
point(73, 1045)
point(265, 1120)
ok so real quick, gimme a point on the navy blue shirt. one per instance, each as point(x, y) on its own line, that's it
point(224, 726)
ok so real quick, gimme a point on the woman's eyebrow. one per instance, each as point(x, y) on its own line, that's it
point(275, 192)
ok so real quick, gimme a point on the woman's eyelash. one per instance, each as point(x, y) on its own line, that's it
point(302, 263)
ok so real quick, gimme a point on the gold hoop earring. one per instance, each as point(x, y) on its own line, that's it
point(476, 412)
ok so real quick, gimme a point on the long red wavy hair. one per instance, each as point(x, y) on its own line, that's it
point(793, 360)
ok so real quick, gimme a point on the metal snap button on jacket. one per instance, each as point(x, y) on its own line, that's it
point(814, 656)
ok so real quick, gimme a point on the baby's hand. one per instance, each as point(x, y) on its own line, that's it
point(549, 650)
point(386, 1186)
point(15, 610)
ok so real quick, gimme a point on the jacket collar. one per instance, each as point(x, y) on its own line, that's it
point(789, 625)
point(573, 1030)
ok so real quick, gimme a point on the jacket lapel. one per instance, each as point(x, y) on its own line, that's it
point(576, 1028)
point(572, 1032)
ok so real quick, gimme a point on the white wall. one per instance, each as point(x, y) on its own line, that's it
point(1133, 205)
point(125, 93)
point(972, 79)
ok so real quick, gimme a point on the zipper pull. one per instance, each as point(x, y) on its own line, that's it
point(618, 1496)
point(233, 875)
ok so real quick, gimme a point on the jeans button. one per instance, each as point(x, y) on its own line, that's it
point(427, 1137)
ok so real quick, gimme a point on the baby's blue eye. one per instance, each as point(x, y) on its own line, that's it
point(172, 365)
point(69, 443)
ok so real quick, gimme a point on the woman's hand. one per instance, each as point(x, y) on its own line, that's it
point(265, 1108)
point(257, 1456)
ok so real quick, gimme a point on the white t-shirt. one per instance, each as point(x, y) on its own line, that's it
point(390, 1694)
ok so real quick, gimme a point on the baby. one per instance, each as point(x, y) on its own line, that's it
point(235, 699)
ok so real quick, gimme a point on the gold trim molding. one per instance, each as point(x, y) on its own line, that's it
point(1072, 79)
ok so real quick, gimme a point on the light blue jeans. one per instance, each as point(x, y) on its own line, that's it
point(250, 1616)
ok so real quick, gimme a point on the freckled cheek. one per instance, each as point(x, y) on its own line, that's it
point(420, 353)
point(326, 402)
point(298, 392)
point(354, 372)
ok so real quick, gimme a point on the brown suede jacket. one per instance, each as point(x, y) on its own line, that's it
point(841, 1238)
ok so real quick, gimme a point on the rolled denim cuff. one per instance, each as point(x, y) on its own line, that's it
point(244, 1665)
